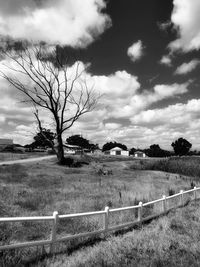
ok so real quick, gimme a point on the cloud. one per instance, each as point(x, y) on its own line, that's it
point(163, 91)
point(68, 22)
point(112, 126)
point(164, 26)
point(186, 20)
point(187, 67)
point(160, 125)
point(178, 116)
point(136, 51)
point(166, 60)
point(141, 101)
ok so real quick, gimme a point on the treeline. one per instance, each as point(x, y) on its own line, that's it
point(181, 146)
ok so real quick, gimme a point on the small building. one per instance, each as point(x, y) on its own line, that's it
point(5, 142)
point(72, 149)
point(117, 151)
point(139, 154)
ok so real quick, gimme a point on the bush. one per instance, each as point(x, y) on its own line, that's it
point(77, 164)
point(51, 152)
point(67, 162)
point(171, 192)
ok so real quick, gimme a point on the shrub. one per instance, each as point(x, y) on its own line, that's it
point(171, 192)
point(77, 164)
point(67, 162)
point(51, 152)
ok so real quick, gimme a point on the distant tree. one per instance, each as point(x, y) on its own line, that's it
point(111, 145)
point(45, 138)
point(181, 146)
point(155, 151)
point(78, 140)
point(132, 151)
point(94, 147)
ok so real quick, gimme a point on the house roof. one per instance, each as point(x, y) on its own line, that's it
point(138, 152)
point(71, 146)
point(116, 149)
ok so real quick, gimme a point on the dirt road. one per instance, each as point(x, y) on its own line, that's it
point(22, 161)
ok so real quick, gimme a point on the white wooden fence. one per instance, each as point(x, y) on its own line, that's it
point(106, 213)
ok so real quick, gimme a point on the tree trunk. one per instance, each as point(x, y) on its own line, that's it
point(60, 150)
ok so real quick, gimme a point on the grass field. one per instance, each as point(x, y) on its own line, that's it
point(171, 241)
point(43, 187)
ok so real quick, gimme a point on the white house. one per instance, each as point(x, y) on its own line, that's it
point(72, 149)
point(117, 151)
point(139, 154)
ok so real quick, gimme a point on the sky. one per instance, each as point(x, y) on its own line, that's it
point(143, 58)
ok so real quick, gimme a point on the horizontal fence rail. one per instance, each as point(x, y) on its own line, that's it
point(55, 218)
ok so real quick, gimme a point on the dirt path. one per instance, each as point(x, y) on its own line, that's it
point(21, 161)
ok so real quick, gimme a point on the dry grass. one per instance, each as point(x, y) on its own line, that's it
point(171, 241)
point(43, 187)
point(189, 166)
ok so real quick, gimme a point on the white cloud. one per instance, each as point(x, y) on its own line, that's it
point(166, 60)
point(121, 84)
point(136, 51)
point(173, 115)
point(68, 22)
point(186, 20)
point(112, 126)
point(163, 91)
point(187, 67)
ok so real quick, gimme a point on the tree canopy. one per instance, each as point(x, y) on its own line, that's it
point(44, 138)
point(181, 146)
point(78, 140)
point(155, 151)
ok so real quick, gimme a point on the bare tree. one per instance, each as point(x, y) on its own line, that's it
point(49, 84)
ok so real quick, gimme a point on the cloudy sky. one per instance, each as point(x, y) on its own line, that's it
point(144, 59)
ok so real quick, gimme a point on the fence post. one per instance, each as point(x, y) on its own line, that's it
point(140, 211)
point(195, 194)
point(106, 219)
point(164, 204)
point(181, 192)
point(54, 230)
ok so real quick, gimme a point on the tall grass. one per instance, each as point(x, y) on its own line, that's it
point(41, 188)
point(171, 241)
point(189, 166)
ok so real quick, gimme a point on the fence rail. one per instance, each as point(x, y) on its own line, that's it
point(55, 218)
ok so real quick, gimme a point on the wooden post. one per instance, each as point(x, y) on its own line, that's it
point(140, 211)
point(195, 194)
point(54, 230)
point(164, 204)
point(181, 197)
point(106, 219)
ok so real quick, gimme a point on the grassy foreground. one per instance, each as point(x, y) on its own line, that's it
point(170, 241)
point(43, 187)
